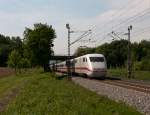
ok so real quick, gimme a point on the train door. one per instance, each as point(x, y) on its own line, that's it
point(86, 62)
point(73, 65)
point(81, 65)
point(85, 65)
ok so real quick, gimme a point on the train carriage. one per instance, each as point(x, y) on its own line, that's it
point(91, 65)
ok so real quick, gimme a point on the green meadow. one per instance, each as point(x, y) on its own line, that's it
point(47, 94)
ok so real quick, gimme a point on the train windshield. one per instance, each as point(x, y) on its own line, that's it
point(97, 59)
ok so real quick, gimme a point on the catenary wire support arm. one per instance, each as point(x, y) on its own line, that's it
point(115, 34)
point(82, 36)
point(129, 63)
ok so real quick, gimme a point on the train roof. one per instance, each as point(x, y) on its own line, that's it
point(91, 55)
point(88, 55)
point(101, 55)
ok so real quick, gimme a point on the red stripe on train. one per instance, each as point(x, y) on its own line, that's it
point(84, 68)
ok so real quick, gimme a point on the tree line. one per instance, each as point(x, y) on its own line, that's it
point(116, 53)
point(34, 49)
point(7, 44)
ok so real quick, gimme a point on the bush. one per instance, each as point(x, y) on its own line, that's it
point(25, 63)
point(143, 65)
point(16, 61)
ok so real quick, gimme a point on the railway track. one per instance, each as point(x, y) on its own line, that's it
point(135, 85)
point(130, 85)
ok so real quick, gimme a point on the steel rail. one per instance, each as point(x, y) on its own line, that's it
point(129, 85)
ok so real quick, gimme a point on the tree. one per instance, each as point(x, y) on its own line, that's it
point(115, 52)
point(14, 60)
point(7, 44)
point(4, 49)
point(82, 51)
point(24, 63)
point(142, 55)
point(17, 61)
point(39, 41)
point(16, 43)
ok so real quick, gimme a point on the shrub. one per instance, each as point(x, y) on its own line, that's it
point(143, 65)
point(16, 61)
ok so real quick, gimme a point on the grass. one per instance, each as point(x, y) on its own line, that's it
point(139, 75)
point(47, 95)
point(9, 83)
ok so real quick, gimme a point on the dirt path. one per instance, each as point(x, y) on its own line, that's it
point(10, 96)
point(4, 101)
point(5, 71)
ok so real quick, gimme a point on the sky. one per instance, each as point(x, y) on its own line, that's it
point(101, 16)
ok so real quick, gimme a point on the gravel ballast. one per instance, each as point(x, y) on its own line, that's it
point(137, 99)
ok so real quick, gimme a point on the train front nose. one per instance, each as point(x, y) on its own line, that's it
point(99, 72)
point(98, 66)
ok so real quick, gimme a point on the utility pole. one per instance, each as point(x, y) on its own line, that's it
point(68, 60)
point(129, 67)
point(129, 63)
point(86, 33)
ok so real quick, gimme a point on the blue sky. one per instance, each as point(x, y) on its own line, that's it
point(70, 7)
point(15, 15)
point(21, 13)
point(18, 14)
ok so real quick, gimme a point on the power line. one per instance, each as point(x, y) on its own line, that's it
point(120, 13)
point(82, 36)
point(135, 17)
point(131, 18)
point(132, 9)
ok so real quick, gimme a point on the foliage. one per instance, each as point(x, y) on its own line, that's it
point(14, 59)
point(115, 53)
point(25, 63)
point(82, 51)
point(18, 62)
point(38, 42)
point(34, 50)
point(143, 65)
point(8, 44)
point(141, 50)
point(4, 49)
point(141, 53)
point(45, 95)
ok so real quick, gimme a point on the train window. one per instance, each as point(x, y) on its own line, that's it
point(83, 59)
point(75, 61)
point(97, 59)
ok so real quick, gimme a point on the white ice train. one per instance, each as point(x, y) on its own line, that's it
point(90, 65)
